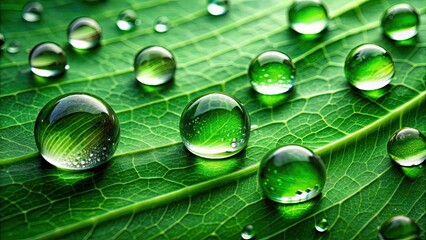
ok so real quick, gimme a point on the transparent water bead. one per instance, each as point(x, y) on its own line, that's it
point(308, 16)
point(161, 24)
point(77, 131)
point(154, 65)
point(291, 174)
point(399, 227)
point(84, 33)
point(248, 232)
point(272, 72)
point(407, 147)
point(48, 59)
point(218, 7)
point(369, 67)
point(13, 47)
point(321, 225)
point(400, 22)
point(2, 41)
point(32, 12)
point(215, 126)
point(127, 20)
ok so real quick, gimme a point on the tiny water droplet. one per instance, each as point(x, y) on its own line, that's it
point(407, 147)
point(399, 227)
point(32, 12)
point(154, 65)
point(248, 232)
point(2, 41)
point(161, 24)
point(369, 67)
point(127, 20)
point(233, 145)
point(308, 16)
point(400, 22)
point(13, 47)
point(47, 59)
point(218, 7)
point(274, 63)
point(84, 33)
point(321, 225)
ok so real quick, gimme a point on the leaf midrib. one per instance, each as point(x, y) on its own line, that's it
point(207, 185)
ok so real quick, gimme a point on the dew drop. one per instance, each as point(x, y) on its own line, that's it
point(154, 65)
point(32, 12)
point(218, 7)
point(84, 33)
point(400, 22)
point(47, 59)
point(13, 47)
point(308, 16)
point(248, 232)
point(399, 227)
point(321, 225)
point(407, 147)
point(127, 20)
point(161, 24)
point(2, 41)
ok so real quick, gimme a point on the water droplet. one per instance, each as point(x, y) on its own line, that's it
point(248, 232)
point(2, 41)
point(298, 167)
point(321, 225)
point(218, 7)
point(233, 145)
point(214, 110)
point(407, 147)
point(274, 63)
point(127, 20)
point(84, 33)
point(154, 65)
point(308, 16)
point(369, 67)
point(13, 47)
point(32, 12)
point(161, 24)
point(47, 59)
point(399, 227)
point(72, 125)
point(400, 22)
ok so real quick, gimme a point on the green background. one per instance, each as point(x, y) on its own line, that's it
point(153, 187)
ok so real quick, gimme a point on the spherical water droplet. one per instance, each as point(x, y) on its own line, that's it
point(369, 67)
point(84, 33)
point(298, 168)
point(274, 63)
point(400, 22)
point(2, 41)
point(154, 65)
point(233, 145)
point(308, 16)
point(399, 227)
point(70, 126)
point(161, 24)
point(32, 11)
point(219, 114)
point(248, 232)
point(47, 60)
point(13, 47)
point(218, 7)
point(127, 20)
point(407, 147)
point(321, 225)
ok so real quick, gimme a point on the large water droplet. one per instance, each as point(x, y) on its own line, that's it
point(218, 7)
point(161, 24)
point(127, 20)
point(154, 65)
point(47, 59)
point(248, 232)
point(399, 227)
point(321, 225)
point(407, 147)
point(301, 173)
point(84, 33)
point(32, 12)
point(218, 114)
point(369, 67)
point(272, 72)
point(71, 126)
point(308, 16)
point(400, 22)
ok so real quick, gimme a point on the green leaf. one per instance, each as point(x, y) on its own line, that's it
point(153, 187)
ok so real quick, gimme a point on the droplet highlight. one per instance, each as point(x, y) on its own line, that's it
point(399, 227)
point(407, 147)
point(127, 20)
point(400, 22)
point(210, 118)
point(369, 67)
point(271, 73)
point(47, 59)
point(291, 174)
point(73, 126)
point(32, 12)
point(84, 33)
point(308, 16)
point(218, 7)
point(154, 65)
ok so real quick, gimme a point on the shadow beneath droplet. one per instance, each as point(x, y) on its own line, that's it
point(293, 211)
point(412, 173)
point(411, 42)
point(41, 81)
point(218, 167)
point(308, 37)
point(81, 52)
point(372, 94)
point(274, 100)
point(155, 89)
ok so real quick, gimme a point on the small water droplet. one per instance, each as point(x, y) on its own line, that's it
point(308, 16)
point(321, 225)
point(84, 33)
point(400, 22)
point(127, 20)
point(13, 47)
point(154, 65)
point(47, 59)
point(161, 24)
point(399, 227)
point(2, 41)
point(32, 12)
point(218, 7)
point(233, 145)
point(248, 232)
point(407, 147)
